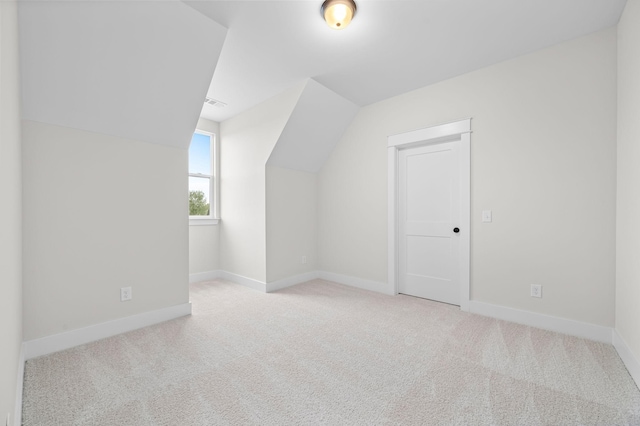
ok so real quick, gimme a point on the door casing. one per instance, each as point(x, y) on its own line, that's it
point(459, 131)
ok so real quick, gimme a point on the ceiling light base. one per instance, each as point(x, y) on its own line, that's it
point(338, 13)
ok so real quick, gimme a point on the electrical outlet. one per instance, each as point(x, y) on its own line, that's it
point(125, 294)
point(303, 259)
point(536, 290)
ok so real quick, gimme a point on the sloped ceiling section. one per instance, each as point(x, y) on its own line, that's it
point(137, 70)
point(313, 130)
point(391, 47)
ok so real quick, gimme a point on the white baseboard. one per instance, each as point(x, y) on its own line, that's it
point(245, 281)
point(69, 339)
point(204, 276)
point(628, 358)
point(17, 414)
point(357, 282)
point(250, 282)
point(547, 322)
point(291, 281)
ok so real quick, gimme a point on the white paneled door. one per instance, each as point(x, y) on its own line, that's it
point(429, 222)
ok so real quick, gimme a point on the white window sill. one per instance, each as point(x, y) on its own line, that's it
point(203, 222)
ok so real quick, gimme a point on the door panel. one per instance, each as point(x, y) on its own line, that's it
point(429, 209)
point(429, 201)
point(429, 257)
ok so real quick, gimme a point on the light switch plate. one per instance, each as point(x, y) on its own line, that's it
point(486, 216)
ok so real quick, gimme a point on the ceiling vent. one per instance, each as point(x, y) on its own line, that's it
point(213, 102)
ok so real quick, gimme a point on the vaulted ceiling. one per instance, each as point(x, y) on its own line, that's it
point(315, 126)
point(141, 69)
point(136, 70)
point(391, 46)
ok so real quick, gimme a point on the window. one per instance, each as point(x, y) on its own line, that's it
point(202, 185)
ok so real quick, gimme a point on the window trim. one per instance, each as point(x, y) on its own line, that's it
point(213, 218)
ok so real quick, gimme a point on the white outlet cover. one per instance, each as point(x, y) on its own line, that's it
point(536, 290)
point(486, 216)
point(125, 294)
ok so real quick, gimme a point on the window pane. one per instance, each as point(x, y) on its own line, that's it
point(200, 154)
point(199, 204)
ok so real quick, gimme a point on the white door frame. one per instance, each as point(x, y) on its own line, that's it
point(429, 136)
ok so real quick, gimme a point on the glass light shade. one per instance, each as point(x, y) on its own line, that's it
point(338, 13)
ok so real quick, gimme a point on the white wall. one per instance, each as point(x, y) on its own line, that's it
point(291, 222)
point(628, 211)
point(208, 126)
point(246, 143)
point(100, 213)
point(204, 240)
point(543, 159)
point(10, 213)
point(204, 248)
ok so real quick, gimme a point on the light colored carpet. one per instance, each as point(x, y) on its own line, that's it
point(323, 353)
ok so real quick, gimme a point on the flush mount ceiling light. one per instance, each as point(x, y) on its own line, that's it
point(338, 13)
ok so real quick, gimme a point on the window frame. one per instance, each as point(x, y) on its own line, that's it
point(213, 218)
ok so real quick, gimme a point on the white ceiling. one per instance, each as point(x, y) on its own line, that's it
point(391, 47)
point(314, 127)
point(137, 70)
